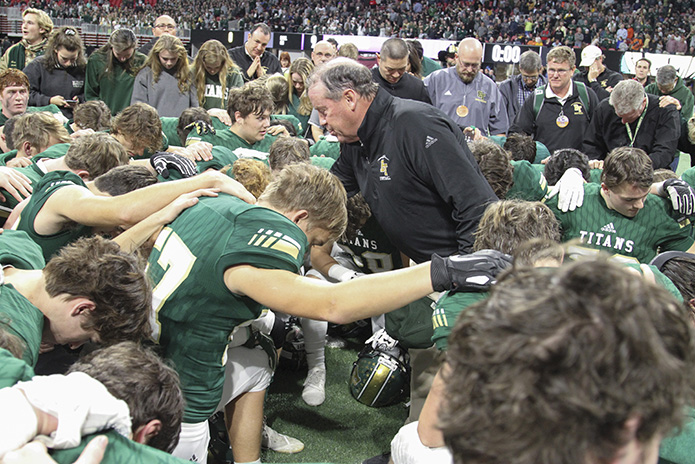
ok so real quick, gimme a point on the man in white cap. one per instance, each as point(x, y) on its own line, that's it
point(595, 74)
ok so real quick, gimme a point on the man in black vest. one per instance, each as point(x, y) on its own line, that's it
point(252, 57)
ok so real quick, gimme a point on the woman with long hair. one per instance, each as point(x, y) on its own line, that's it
point(57, 77)
point(165, 82)
point(214, 74)
point(300, 105)
point(111, 70)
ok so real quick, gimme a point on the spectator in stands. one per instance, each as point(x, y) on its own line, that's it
point(164, 24)
point(57, 77)
point(390, 72)
point(466, 95)
point(633, 118)
point(643, 69)
point(165, 82)
point(517, 89)
point(285, 61)
point(668, 83)
point(558, 114)
point(215, 74)
point(36, 26)
point(111, 70)
point(252, 57)
point(597, 76)
point(300, 105)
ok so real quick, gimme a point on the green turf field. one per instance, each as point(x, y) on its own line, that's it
point(341, 430)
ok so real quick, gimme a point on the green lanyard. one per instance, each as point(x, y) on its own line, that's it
point(639, 123)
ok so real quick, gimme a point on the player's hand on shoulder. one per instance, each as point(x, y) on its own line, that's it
point(475, 272)
point(15, 183)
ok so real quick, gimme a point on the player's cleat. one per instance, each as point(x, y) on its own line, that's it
point(280, 443)
point(314, 393)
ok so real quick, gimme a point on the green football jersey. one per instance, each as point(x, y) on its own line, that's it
point(169, 126)
point(293, 109)
point(54, 151)
point(33, 172)
point(51, 183)
point(327, 147)
point(215, 96)
point(689, 176)
point(193, 311)
point(13, 370)
point(529, 184)
point(371, 251)
point(323, 162)
point(228, 139)
point(637, 238)
point(447, 310)
point(17, 314)
point(119, 450)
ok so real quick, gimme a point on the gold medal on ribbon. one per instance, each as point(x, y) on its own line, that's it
point(462, 111)
point(562, 121)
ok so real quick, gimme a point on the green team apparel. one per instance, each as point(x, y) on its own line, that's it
point(322, 162)
point(119, 450)
point(221, 157)
point(447, 310)
point(327, 146)
point(215, 95)
point(293, 109)
point(193, 311)
point(228, 139)
point(116, 88)
point(637, 238)
point(13, 370)
point(51, 183)
point(17, 314)
point(169, 126)
point(33, 172)
point(529, 184)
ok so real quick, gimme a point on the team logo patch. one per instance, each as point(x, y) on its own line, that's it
point(267, 238)
point(578, 108)
point(481, 96)
point(384, 168)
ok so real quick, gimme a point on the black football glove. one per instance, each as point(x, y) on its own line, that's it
point(163, 161)
point(201, 127)
point(681, 195)
point(474, 272)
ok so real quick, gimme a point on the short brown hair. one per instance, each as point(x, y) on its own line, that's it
point(13, 77)
point(150, 388)
point(551, 366)
point(188, 116)
point(116, 284)
point(507, 223)
point(562, 54)
point(93, 114)
point(96, 153)
point(495, 165)
point(37, 129)
point(627, 165)
point(303, 186)
point(139, 123)
point(124, 179)
point(521, 147)
point(252, 98)
point(288, 150)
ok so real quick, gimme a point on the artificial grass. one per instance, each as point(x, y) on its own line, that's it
point(341, 430)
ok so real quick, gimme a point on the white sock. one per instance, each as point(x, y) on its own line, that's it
point(315, 342)
point(257, 461)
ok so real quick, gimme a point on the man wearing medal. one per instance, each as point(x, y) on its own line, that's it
point(632, 118)
point(467, 95)
point(559, 113)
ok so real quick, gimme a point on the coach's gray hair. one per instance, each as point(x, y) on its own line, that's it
point(394, 49)
point(262, 26)
point(342, 74)
point(666, 75)
point(530, 61)
point(627, 96)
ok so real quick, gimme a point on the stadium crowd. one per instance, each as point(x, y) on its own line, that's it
point(650, 25)
point(521, 252)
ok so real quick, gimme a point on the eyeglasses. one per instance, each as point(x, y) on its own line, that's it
point(166, 26)
point(469, 65)
point(558, 71)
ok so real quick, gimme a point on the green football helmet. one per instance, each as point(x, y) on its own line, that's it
point(381, 374)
